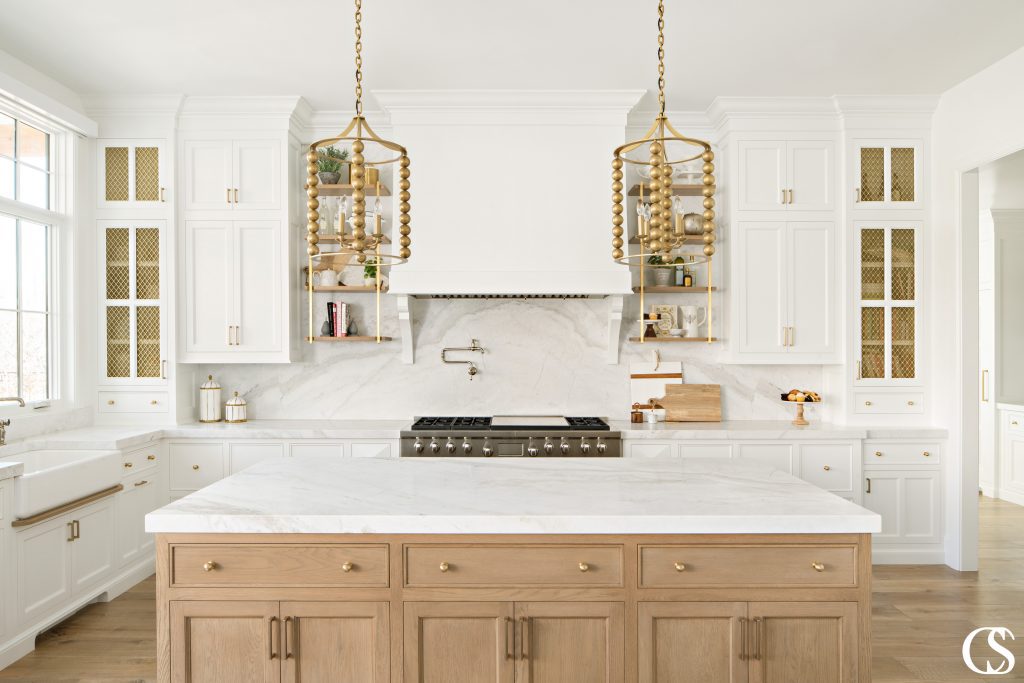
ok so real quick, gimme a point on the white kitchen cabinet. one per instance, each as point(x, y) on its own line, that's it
point(830, 466)
point(141, 495)
point(330, 449)
point(235, 290)
point(1011, 457)
point(244, 454)
point(372, 449)
point(92, 551)
point(131, 174)
point(227, 175)
point(650, 449)
point(193, 465)
point(786, 175)
point(785, 288)
point(910, 503)
point(705, 450)
point(887, 174)
point(775, 454)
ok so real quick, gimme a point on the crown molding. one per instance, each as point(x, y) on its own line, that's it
point(107, 105)
point(258, 106)
point(866, 112)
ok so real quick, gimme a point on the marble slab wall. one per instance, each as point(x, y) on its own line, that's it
point(542, 356)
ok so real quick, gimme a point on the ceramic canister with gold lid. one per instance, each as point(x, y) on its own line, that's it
point(209, 400)
point(235, 409)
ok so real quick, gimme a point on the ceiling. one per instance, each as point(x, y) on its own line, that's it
point(718, 47)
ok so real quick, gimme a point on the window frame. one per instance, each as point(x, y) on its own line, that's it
point(59, 220)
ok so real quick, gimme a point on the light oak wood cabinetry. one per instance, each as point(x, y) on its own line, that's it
point(726, 608)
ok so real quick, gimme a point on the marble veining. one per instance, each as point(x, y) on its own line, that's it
point(470, 495)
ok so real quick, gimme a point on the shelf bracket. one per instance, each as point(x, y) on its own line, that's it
point(615, 304)
point(405, 328)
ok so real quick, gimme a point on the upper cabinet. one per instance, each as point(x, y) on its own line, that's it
point(132, 173)
point(887, 174)
point(222, 175)
point(785, 175)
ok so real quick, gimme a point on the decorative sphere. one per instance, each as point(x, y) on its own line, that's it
point(655, 245)
point(616, 253)
point(358, 222)
point(616, 209)
point(616, 175)
point(312, 250)
point(311, 238)
point(617, 231)
point(708, 180)
point(405, 253)
point(708, 226)
point(617, 242)
point(709, 250)
point(617, 197)
point(357, 173)
point(311, 191)
point(404, 185)
point(655, 148)
point(404, 219)
point(403, 195)
point(708, 191)
point(358, 198)
point(709, 203)
point(616, 186)
point(404, 241)
point(357, 146)
point(312, 169)
point(709, 215)
point(616, 163)
point(708, 156)
point(403, 173)
point(312, 216)
point(312, 204)
point(404, 230)
point(404, 162)
point(617, 220)
point(361, 258)
point(358, 159)
point(404, 207)
point(709, 238)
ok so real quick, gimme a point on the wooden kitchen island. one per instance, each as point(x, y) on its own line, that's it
point(499, 570)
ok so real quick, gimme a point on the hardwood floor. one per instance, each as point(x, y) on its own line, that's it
point(921, 616)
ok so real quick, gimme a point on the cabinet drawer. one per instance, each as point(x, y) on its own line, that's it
point(140, 460)
point(195, 465)
point(132, 402)
point(647, 449)
point(370, 449)
point(895, 453)
point(693, 450)
point(279, 565)
point(828, 466)
point(683, 565)
point(513, 566)
point(880, 403)
point(1014, 422)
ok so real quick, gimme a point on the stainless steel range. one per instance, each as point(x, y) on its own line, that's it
point(511, 436)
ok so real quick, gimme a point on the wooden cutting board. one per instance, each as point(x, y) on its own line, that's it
point(692, 403)
point(649, 379)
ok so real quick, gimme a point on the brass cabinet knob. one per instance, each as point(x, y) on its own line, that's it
point(128, 465)
point(827, 468)
point(209, 566)
point(926, 454)
point(867, 403)
point(1014, 423)
point(910, 403)
point(347, 567)
point(818, 566)
point(584, 567)
point(195, 467)
point(680, 567)
point(110, 402)
point(152, 402)
point(150, 457)
point(878, 454)
point(444, 566)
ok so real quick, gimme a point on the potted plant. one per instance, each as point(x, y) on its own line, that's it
point(331, 165)
point(370, 272)
point(662, 271)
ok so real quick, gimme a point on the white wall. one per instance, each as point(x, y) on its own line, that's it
point(977, 121)
point(1002, 183)
point(34, 89)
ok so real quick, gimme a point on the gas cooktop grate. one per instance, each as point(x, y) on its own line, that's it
point(484, 423)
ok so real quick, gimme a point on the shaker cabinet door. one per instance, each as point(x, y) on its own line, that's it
point(469, 642)
point(761, 283)
point(256, 168)
point(762, 175)
point(692, 642)
point(570, 642)
point(796, 642)
point(208, 183)
point(811, 272)
point(811, 169)
point(340, 642)
point(225, 642)
point(210, 285)
point(257, 286)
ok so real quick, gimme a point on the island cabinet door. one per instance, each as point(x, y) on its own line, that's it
point(804, 642)
point(693, 642)
point(570, 642)
point(225, 642)
point(468, 642)
point(340, 642)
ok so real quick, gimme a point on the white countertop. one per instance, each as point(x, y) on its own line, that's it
point(513, 496)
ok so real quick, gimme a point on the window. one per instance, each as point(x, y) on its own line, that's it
point(26, 235)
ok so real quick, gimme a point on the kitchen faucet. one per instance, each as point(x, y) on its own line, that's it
point(17, 399)
point(4, 424)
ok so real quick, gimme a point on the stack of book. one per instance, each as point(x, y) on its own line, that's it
point(338, 318)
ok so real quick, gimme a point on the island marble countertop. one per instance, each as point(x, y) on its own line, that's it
point(511, 496)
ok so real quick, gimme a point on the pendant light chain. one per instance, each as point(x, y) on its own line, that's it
point(359, 57)
point(661, 57)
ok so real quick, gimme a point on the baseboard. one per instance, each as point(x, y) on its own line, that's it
point(1010, 496)
point(904, 555)
point(24, 642)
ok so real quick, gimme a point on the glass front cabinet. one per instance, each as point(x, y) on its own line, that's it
point(133, 313)
point(887, 316)
point(887, 174)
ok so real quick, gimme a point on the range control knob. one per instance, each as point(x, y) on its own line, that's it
point(434, 446)
point(418, 446)
point(487, 450)
point(467, 447)
point(601, 446)
point(564, 446)
point(531, 450)
point(584, 445)
point(450, 446)
point(548, 446)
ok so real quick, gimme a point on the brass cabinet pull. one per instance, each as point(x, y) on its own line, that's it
point(347, 567)
point(150, 457)
point(110, 402)
point(71, 532)
point(818, 566)
point(236, 195)
point(444, 566)
point(195, 467)
point(128, 465)
point(783, 196)
point(229, 336)
point(926, 454)
point(524, 637)
point(76, 529)
point(153, 402)
point(910, 403)
point(142, 483)
point(984, 391)
point(860, 371)
point(584, 567)
point(869, 485)
point(509, 638)
point(867, 403)
point(827, 468)
point(289, 637)
point(162, 194)
point(210, 566)
point(163, 369)
point(858, 194)
point(792, 336)
point(273, 651)
point(758, 621)
point(680, 567)
point(229, 195)
point(878, 454)
point(791, 196)
point(238, 335)
point(743, 639)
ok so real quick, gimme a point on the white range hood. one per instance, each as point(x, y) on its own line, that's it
point(511, 190)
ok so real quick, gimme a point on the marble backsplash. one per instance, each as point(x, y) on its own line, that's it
point(542, 356)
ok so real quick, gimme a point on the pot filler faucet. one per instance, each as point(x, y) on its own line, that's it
point(474, 346)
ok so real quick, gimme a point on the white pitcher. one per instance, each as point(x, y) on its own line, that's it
point(691, 318)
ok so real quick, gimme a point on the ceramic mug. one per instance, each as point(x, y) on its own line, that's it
point(692, 320)
point(328, 278)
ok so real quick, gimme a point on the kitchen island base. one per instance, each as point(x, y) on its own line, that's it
point(545, 608)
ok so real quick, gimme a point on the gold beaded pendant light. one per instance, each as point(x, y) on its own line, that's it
point(369, 152)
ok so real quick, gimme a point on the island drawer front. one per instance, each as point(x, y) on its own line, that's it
point(894, 453)
point(591, 565)
point(279, 565)
point(678, 566)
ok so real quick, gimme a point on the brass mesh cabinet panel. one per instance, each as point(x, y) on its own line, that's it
point(902, 171)
point(888, 303)
point(119, 360)
point(872, 174)
point(115, 171)
point(147, 341)
point(147, 174)
point(147, 263)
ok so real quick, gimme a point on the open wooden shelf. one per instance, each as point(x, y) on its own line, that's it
point(362, 289)
point(672, 289)
point(658, 340)
point(689, 239)
point(344, 189)
point(683, 190)
point(350, 338)
point(336, 238)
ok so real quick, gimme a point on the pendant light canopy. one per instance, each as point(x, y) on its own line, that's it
point(660, 229)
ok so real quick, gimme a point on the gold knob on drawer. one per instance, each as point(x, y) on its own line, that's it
point(926, 454)
point(680, 567)
point(150, 457)
point(827, 468)
point(867, 403)
point(128, 465)
point(818, 566)
point(209, 566)
point(878, 453)
point(110, 402)
point(584, 567)
point(1014, 423)
point(444, 566)
point(910, 403)
point(195, 467)
point(152, 402)
point(347, 567)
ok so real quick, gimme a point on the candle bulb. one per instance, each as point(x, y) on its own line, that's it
point(342, 216)
point(378, 212)
point(677, 207)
